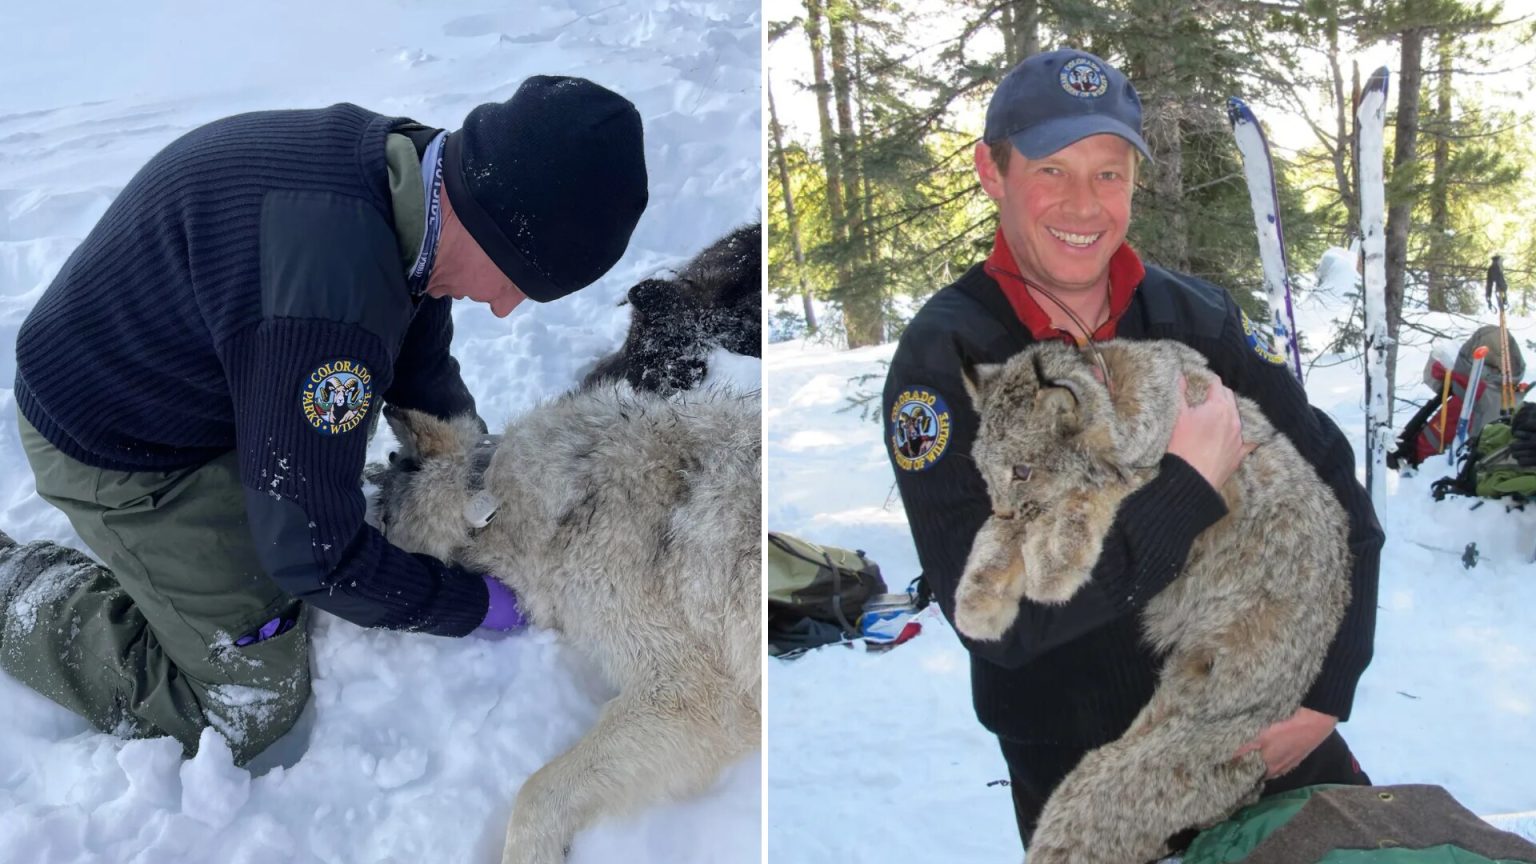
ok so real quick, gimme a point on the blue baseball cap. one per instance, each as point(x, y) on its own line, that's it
point(1057, 98)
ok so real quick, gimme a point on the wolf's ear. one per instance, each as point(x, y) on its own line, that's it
point(421, 435)
point(398, 424)
point(977, 378)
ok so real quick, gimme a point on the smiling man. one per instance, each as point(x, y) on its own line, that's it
point(1059, 157)
point(244, 306)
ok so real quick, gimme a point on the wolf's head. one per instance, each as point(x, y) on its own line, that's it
point(426, 497)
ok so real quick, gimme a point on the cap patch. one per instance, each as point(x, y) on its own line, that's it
point(1084, 78)
point(920, 428)
point(336, 396)
point(1259, 342)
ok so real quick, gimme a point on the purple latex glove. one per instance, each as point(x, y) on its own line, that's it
point(275, 627)
point(503, 613)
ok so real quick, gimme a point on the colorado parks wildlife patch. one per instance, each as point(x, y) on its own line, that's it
point(919, 428)
point(337, 395)
point(1259, 342)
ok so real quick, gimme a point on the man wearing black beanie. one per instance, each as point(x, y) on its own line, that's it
point(242, 307)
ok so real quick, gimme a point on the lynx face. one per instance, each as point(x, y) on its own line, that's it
point(1059, 448)
point(1050, 426)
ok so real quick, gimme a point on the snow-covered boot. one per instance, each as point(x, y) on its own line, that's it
point(22, 566)
point(36, 579)
point(7, 574)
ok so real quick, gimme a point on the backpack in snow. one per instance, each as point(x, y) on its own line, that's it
point(1499, 463)
point(824, 583)
point(1358, 825)
point(1420, 438)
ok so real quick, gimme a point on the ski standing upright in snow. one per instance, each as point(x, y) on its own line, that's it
point(1468, 404)
point(1370, 117)
point(1259, 171)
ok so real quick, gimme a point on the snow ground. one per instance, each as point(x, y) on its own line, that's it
point(879, 757)
point(414, 746)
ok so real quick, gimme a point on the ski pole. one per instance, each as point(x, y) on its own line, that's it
point(1506, 384)
point(1468, 398)
point(1445, 401)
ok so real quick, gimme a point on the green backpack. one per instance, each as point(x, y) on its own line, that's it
point(1489, 468)
point(1497, 474)
point(824, 583)
point(1326, 824)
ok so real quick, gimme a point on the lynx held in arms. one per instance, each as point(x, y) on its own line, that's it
point(1244, 628)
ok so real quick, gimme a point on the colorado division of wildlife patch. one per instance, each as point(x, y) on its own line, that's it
point(1084, 78)
point(337, 395)
point(919, 428)
point(1259, 342)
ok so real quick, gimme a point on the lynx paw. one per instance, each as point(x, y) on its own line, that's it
point(1052, 587)
point(981, 613)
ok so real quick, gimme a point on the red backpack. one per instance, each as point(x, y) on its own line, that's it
point(1421, 437)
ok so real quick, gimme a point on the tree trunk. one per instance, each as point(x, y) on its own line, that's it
point(1021, 30)
point(1161, 121)
point(1439, 264)
point(1006, 25)
point(867, 193)
point(789, 204)
point(1343, 151)
point(863, 313)
point(1354, 165)
point(829, 156)
point(1400, 211)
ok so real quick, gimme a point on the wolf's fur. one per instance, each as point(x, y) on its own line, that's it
point(716, 300)
point(631, 524)
point(1244, 628)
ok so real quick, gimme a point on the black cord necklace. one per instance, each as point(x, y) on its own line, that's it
point(1090, 345)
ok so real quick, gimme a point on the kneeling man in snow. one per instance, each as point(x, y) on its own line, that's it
point(196, 388)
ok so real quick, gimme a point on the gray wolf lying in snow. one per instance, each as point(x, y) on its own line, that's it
point(1244, 628)
point(631, 524)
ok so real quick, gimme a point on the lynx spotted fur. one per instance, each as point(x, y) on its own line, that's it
point(1243, 629)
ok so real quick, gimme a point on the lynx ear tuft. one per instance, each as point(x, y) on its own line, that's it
point(1055, 398)
point(978, 378)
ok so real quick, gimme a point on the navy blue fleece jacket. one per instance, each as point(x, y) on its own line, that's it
point(244, 292)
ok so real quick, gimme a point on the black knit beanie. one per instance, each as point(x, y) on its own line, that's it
point(550, 183)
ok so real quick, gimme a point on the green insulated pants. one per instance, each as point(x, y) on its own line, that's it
point(145, 645)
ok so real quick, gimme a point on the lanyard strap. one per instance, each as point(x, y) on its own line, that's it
point(432, 181)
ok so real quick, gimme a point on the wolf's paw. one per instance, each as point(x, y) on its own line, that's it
point(535, 833)
point(535, 851)
point(981, 613)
